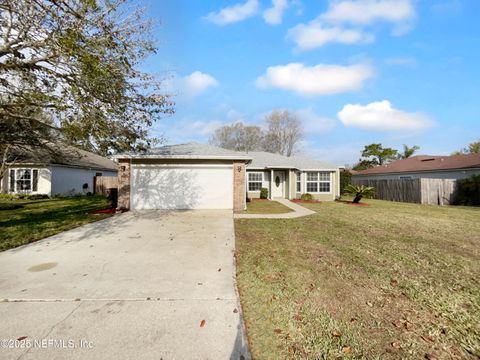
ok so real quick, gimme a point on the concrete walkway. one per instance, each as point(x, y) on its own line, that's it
point(141, 285)
point(298, 211)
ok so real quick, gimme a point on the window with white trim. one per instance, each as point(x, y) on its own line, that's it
point(299, 182)
point(23, 180)
point(255, 181)
point(318, 182)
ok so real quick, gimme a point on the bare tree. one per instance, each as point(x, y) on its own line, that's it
point(238, 137)
point(283, 134)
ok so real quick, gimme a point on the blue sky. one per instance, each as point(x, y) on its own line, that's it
point(354, 71)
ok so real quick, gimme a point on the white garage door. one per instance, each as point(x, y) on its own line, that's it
point(182, 187)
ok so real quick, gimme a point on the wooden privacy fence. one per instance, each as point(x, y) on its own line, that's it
point(438, 191)
point(101, 184)
point(420, 191)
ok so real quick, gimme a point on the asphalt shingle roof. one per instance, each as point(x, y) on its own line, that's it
point(64, 155)
point(262, 159)
point(426, 163)
point(259, 159)
point(193, 149)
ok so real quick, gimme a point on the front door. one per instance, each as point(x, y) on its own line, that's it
point(278, 184)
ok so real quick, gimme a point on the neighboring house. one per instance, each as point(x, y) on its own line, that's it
point(424, 166)
point(69, 171)
point(198, 176)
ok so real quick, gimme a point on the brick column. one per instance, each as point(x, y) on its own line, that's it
point(239, 191)
point(124, 166)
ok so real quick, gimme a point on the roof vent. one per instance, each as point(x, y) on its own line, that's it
point(428, 159)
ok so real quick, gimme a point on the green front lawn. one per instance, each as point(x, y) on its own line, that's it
point(41, 218)
point(384, 281)
point(265, 207)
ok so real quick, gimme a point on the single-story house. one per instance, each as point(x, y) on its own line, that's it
point(67, 171)
point(424, 166)
point(199, 176)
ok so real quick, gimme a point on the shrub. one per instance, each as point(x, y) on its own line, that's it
point(468, 191)
point(263, 193)
point(36, 197)
point(10, 206)
point(306, 196)
point(8, 197)
point(345, 180)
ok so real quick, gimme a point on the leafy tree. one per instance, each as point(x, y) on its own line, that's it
point(69, 71)
point(472, 148)
point(408, 151)
point(284, 133)
point(378, 154)
point(364, 164)
point(238, 137)
point(359, 191)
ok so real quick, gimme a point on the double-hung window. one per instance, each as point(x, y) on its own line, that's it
point(23, 180)
point(255, 181)
point(318, 182)
point(299, 182)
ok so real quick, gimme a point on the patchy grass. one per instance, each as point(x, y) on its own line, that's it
point(385, 281)
point(37, 219)
point(265, 207)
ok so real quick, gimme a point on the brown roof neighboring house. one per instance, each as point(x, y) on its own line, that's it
point(428, 163)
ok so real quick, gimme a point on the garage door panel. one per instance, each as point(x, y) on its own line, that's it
point(182, 187)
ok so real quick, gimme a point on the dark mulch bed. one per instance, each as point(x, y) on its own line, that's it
point(106, 211)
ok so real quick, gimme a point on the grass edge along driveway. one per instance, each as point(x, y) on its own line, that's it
point(42, 218)
point(264, 206)
point(385, 281)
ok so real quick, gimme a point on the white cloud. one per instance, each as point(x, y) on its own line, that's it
point(313, 123)
point(314, 35)
point(234, 13)
point(197, 82)
point(205, 128)
point(315, 80)
point(367, 11)
point(382, 116)
point(273, 15)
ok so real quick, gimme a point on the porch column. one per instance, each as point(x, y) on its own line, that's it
point(271, 185)
point(289, 172)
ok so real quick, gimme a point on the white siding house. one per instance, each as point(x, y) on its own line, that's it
point(70, 173)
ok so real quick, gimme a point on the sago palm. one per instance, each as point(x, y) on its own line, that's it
point(359, 191)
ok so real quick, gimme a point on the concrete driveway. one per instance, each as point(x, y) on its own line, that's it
point(141, 285)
